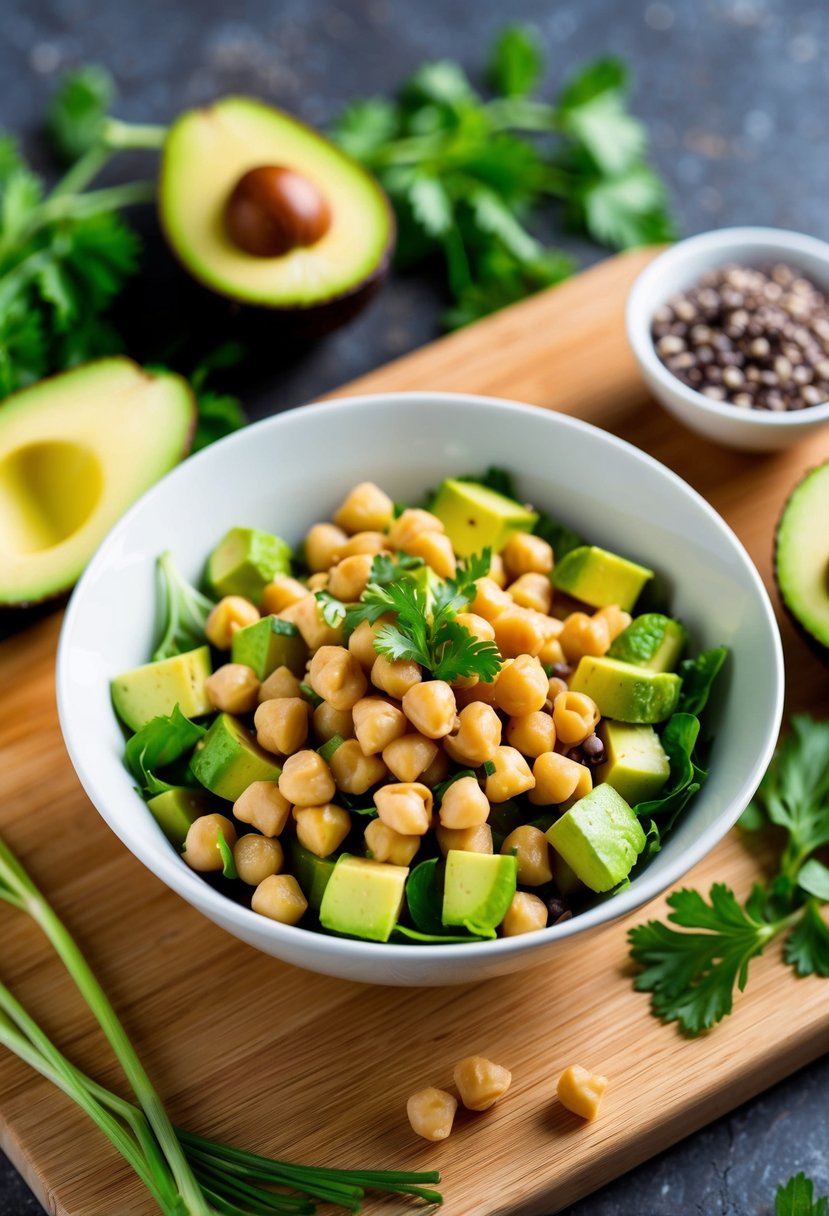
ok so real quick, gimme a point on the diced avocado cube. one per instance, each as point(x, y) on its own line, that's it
point(245, 561)
point(155, 689)
point(626, 692)
point(228, 759)
point(363, 898)
point(598, 577)
point(599, 838)
point(311, 872)
point(268, 644)
point(478, 889)
point(477, 518)
point(651, 640)
point(635, 763)
point(174, 810)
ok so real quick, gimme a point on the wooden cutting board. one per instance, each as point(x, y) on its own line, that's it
point(246, 1049)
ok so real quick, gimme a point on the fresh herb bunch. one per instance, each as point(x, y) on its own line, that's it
point(797, 1198)
point(187, 1175)
point(470, 178)
point(692, 975)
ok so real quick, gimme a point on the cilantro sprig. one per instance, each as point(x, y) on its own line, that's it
point(797, 1198)
point(692, 971)
point(470, 177)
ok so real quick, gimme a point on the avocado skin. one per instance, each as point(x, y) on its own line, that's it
point(818, 646)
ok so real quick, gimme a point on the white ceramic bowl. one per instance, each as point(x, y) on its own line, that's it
point(292, 470)
point(679, 268)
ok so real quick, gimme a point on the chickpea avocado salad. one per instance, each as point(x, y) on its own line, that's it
point(430, 724)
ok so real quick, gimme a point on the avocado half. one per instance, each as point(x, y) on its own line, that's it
point(75, 451)
point(334, 266)
point(801, 557)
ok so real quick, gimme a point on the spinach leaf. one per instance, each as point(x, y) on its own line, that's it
point(157, 745)
point(424, 897)
point(678, 739)
point(697, 677)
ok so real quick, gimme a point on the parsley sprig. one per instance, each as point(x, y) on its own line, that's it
point(471, 177)
point(797, 1198)
point(692, 975)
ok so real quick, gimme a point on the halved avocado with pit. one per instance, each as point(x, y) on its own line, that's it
point(263, 209)
point(75, 451)
point(801, 558)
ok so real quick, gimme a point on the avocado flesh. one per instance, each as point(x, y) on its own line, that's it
point(478, 889)
point(229, 759)
point(801, 556)
point(207, 151)
point(477, 518)
point(363, 898)
point(155, 689)
point(651, 640)
point(599, 578)
point(626, 692)
point(174, 810)
point(635, 762)
point(268, 644)
point(75, 451)
point(244, 562)
point(599, 838)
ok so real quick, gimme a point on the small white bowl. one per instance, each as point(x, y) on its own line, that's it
point(290, 471)
point(678, 269)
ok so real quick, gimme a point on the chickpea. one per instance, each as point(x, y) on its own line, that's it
point(617, 619)
point(315, 632)
point(532, 591)
point(581, 1091)
point(496, 570)
point(511, 775)
point(280, 897)
point(436, 550)
point(464, 805)
point(409, 524)
point(232, 688)
point(231, 613)
point(521, 687)
point(526, 914)
point(467, 840)
point(255, 857)
point(384, 844)
point(376, 723)
point(353, 771)
point(575, 716)
point(490, 600)
point(483, 692)
point(407, 807)
point(366, 507)
point(476, 737)
point(318, 581)
point(395, 676)
point(478, 626)
point(532, 852)
point(337, 677)
point(321, 829)
point(583, 634)
point(349, 578)
point(481, 1083)
point(555, 685)
point(263, 807)
point(201, 845)
point(431, 1113)
point(409, 755)
point(519, 631)
point(558, 778)
point(430, 707)
point(323, 543)
point(438, 770)
point(532, 733)
point(281, 592)
point(361, 642)
point(527, 554)
point(551, 651)
point(280, 683)
point(306, 780)
point(363, 544)
point(329, 722)
point(282, 725)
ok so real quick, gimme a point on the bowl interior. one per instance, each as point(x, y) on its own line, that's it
point(290, 471)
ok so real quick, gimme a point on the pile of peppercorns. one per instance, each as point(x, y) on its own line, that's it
point(758, 339)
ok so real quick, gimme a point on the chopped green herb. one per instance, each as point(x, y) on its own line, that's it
point(184, 611)
point(158, 745)
point(309, 694)
point(387, 567)
point(327, 750)
point(330, 609)
point(226, 854)
point(797, 1198)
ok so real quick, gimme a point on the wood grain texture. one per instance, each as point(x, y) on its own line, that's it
point(315, 1069)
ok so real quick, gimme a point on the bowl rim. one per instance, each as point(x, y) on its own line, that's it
point(159, 856)
point(728, 242)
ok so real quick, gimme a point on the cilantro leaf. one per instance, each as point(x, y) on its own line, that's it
point(330, 609)
point(797, 1198)
point(624, 211)
point(76, 115)
point(184, 611)
point(157, 745)
point(219, 414)
point(366, 127)
point(692, 976)
point(807, 946)
point(516, 61)
point(226, 853)
point(814, 879)
point(794, 793)
point(388, 568)
point(613, 138)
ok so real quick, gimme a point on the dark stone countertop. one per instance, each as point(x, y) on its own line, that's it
point(736, 97)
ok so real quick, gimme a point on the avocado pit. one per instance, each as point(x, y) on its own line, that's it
point(273, 210)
